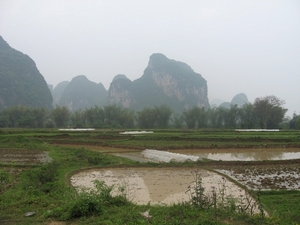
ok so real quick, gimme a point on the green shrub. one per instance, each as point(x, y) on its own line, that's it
point(92, 201)
point(4, 179)
point(43, 178)
point(85, 204)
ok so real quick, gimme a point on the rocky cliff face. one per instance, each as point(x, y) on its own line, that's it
point(120, 92)
point(20, 81)
point(82, 93)
point(164, 81)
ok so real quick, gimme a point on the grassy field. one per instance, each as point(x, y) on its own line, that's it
point(44, 188)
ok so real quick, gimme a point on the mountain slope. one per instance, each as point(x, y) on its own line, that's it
point(239, 100)
point(164, 81)
point(82, 93)
point(20, 81)
point(58, 91)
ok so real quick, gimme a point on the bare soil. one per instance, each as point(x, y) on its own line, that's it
point(23, 156)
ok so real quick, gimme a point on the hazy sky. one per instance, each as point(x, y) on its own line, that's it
point(238, 46)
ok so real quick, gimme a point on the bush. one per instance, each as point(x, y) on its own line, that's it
point(43, 178)
point(85, 204)
point(4, 179)
point(93, 201)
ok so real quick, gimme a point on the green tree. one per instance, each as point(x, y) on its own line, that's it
point(269, 111)
point(4, 119)
point(146, 118)
point(78, 119)
point(178, 121)
point(221, 116)
point(233, 117)
point(21, 116)
point(163, 114)
point(248, 118)
point(60, 115)
point(126, 119)
point(112, 115)
point(191, 116)
point(202, 117)
point(40, 116)
point(212, 117)
point(95, 116)
point(295, 122)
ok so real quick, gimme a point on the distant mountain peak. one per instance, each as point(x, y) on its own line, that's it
point(81, 93)
point(165, 81)
point(120, 76)
point(21, 83)
point(3, 43)
point(239, 99)
point(159, 61)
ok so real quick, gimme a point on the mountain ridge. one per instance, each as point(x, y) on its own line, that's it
point(21, 83)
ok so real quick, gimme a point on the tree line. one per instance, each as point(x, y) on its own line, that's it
point(266, 112)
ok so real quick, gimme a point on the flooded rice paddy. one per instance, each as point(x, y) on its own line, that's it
point(259, 177)
point(230, 154)
point(255, 168)
point(157, 185)
point(233, 154)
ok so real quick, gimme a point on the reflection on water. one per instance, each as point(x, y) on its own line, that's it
point(244, 154)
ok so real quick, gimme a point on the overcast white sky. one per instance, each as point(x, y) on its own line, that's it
point(249, 46)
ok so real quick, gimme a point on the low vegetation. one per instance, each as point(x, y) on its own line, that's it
point(44, 188)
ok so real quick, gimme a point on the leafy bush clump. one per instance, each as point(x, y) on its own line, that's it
point(85, 204)
point(93, 201)
point(92, 158)
point(43, 178)
point(4, 179)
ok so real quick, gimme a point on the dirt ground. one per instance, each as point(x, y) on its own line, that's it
point(23, 156)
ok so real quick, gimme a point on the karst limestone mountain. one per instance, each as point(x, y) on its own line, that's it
point(21, 83)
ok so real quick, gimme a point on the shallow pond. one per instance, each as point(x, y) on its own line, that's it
point(231, 154)
point(157, 185)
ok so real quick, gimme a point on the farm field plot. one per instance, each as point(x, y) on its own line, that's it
point(23, 156)
point(41, 167)
point(164, 186)
point(263, 173)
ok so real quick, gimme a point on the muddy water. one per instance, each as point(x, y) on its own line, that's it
point(243, 154)
point(232, 154)
point(156, 185)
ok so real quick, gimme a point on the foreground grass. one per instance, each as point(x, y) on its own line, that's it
point(45, 189)
point(283, 205)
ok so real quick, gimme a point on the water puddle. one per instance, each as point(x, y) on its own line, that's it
point(158, 185)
